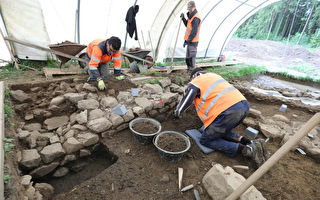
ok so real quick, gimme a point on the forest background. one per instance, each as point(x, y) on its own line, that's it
point(290, 21)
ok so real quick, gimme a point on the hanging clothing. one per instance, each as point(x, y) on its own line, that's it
point(131, 21)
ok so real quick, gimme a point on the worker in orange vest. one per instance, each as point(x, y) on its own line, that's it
point(191, 37)
point(221, 107)
point(99, 53)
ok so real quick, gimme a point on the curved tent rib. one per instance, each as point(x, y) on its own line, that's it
point(221, 19)
point(245, 17)
point(205, 55)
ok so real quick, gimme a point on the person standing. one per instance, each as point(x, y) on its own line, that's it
point(191, 37)
point(221, 107)
point(98, 54)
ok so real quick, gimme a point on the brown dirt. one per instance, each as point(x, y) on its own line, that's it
point(138, 175)
point(171, 143)
point(139, 171)
point(145, 128)
point(271, 53)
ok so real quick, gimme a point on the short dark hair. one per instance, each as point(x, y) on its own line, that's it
point(195, 70)
point(115, 42)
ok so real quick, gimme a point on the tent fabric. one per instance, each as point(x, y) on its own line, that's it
point(158, 21)
point(30, 27)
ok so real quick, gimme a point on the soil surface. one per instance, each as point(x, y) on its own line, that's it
point(140, 173)
point(171, 143)
point(143, 174)
point(272, 54)
point(145, 127)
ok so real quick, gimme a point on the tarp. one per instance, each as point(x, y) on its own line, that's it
point(105, 18)
point(24, 21)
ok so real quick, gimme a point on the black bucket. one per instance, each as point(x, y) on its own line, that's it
point(141, 137)
point(168, 155)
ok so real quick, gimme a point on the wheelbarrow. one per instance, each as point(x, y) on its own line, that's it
point(139, 53)
point(67, 47)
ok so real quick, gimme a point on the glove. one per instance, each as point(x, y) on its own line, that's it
point(121, 77)
point(185, 43)
point(101, 85)
point(182, 16)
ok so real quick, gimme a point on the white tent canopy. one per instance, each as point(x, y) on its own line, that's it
point(53, 21)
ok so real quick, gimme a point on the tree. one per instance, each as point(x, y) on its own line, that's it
point(294, 16)
point(281, 21)
point(306, 24)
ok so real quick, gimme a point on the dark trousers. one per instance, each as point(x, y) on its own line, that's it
point(219, 135)
point(191, 57)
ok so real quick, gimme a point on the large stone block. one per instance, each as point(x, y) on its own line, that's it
point(220, 182)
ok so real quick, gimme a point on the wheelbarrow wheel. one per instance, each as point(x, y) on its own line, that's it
point(83, 56)
point(149, 58)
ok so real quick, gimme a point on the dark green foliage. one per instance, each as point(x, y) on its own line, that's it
point(270, 18)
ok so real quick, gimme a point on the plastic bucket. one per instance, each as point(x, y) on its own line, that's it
point(168, 155)
point(143, 138)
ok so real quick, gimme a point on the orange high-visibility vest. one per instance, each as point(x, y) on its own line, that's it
point(189, 28)
point(217, 95)
point(96, 51)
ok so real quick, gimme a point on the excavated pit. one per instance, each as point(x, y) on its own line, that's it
point(121, 168)
point(81, 170)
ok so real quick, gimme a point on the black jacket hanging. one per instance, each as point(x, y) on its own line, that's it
point(131, 21)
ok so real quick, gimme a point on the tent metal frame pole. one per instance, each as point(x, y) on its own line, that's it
point(125, 39)
point(213, 7)
point(224, 43)
point(243, 3)
point(165, 26)
point(78, 22)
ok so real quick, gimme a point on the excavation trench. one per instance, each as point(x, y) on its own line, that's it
point(81, 170)
point(109, 163)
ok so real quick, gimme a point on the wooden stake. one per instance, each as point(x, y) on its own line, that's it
point(174, 49)
point(180, 174)
point(187, 188)
point(153, 53)
point(240, 167)
point(11, 54)
point(44, 49)
point(1, 137)
point(303, 131)
point(144, 44)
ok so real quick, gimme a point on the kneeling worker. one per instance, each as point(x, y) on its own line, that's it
point(221, 107)
point(99, 53)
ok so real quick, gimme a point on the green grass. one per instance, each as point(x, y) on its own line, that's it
point(8, 112)
point(7, 145)
point(8, 71)
point(306, 78)
point(228, 72)
point(154, 81)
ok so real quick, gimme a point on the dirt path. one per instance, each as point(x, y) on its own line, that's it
point(274, 55)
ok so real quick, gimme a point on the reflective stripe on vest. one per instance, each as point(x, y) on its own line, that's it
point(215, 100)
point(208, 91)
point(189, 28)
point(95, 59)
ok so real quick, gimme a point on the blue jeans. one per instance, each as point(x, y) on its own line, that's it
point(219, 135)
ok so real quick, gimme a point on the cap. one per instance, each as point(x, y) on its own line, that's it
point(191, 4)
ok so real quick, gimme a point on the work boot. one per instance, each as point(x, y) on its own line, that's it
point(266, 153)
point(254, 151)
